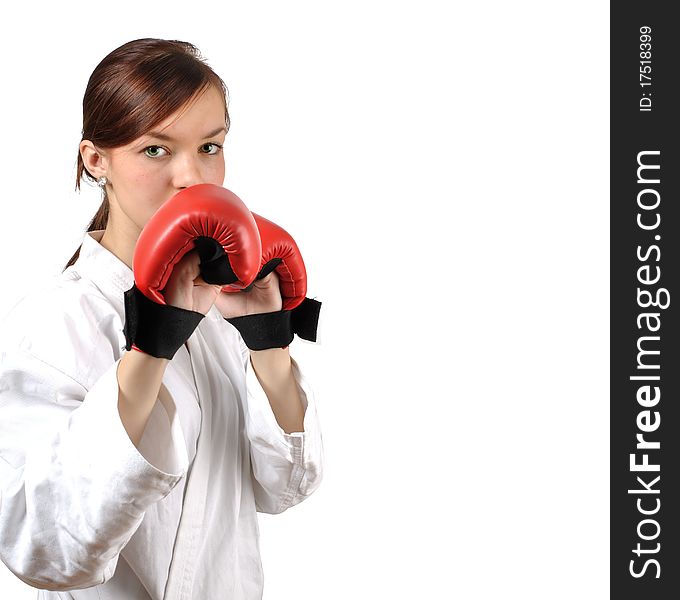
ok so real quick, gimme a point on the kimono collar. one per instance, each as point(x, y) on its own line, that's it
point(110, 274)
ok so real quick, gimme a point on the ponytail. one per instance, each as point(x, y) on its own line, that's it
point(99, 221)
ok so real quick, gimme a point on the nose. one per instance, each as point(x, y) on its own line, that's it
point(186, 172)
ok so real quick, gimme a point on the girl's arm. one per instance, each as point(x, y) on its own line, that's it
point(139, 380)
point(274, 372)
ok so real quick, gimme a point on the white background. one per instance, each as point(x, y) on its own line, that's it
point(444, 168)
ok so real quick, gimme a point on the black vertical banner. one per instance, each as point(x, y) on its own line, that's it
point(645, 298)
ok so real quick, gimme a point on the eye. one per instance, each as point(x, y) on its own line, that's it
point(211, 148)
point(153, 151)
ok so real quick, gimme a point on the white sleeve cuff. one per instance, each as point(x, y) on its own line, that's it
point(303, 451)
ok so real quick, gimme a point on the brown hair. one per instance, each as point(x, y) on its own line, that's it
point(134, 88)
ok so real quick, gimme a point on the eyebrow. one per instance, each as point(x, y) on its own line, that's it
point(167, 138)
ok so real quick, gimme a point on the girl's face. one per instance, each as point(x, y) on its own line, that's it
point(181, 151)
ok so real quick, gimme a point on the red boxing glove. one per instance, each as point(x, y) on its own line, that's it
point(280, 253)
point(299, 315)
point(218, 224)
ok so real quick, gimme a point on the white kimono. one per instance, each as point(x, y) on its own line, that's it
point(86, 514)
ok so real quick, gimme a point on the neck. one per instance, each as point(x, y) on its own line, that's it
point(120, 242)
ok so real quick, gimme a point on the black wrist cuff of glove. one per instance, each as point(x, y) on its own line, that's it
point(156, 329)
point(276, 329)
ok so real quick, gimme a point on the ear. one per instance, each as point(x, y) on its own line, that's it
point(95, 161)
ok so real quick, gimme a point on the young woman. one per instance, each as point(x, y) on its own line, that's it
point(123, 475)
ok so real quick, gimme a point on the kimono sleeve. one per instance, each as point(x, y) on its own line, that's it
point(287, 467)
point(73, 487)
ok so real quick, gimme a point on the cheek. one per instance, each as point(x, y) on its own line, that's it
point(216, 173)
point(146, 182)
point(130, 172)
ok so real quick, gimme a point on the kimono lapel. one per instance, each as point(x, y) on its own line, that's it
point(190, 531)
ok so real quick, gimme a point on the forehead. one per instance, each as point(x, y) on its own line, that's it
point(206, 105)
point(201, 115)
point(192, 123)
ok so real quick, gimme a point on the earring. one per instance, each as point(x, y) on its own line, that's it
point(102, 181)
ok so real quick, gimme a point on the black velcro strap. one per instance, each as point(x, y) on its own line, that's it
point(156, 329)
point(276, 329)
point(265, 330)
point(305, 319)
